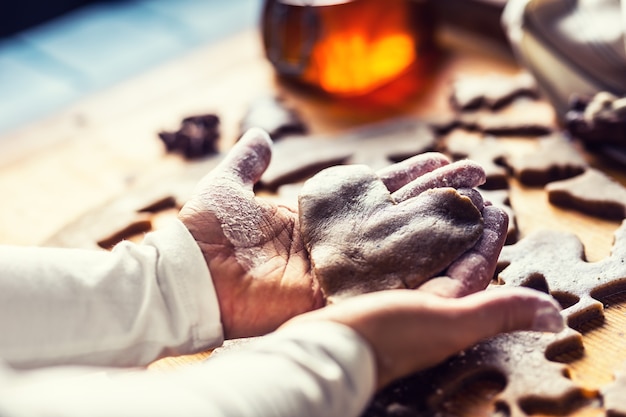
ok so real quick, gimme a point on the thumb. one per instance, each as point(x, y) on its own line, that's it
point(495, 311)
point(247, 160)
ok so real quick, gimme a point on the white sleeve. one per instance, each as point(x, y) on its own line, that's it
point(126, 307)
point(310, 369)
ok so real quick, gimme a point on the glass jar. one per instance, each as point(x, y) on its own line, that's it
point(347, 47)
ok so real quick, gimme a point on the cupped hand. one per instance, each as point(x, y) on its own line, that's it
point(254, 249)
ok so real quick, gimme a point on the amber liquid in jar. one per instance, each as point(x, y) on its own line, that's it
point(347, 48)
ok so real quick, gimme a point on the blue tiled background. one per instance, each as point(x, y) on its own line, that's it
point(49, 66)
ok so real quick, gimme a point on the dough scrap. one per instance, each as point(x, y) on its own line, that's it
point(354, 231)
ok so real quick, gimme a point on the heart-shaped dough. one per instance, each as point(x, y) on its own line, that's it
point(361, 240)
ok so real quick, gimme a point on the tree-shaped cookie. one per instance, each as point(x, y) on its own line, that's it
point(555, 262)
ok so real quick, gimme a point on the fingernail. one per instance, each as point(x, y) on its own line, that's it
point(548, 319)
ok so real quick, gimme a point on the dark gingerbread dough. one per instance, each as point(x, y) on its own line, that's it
point(354, 231)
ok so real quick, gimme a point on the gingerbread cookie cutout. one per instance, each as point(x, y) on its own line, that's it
point(360, 238)
point(297, 158)
point(555, 262)
point(272, 114)
point(196, 137)
point(614, 394)
point(487, 151)
point(134, 212)
point(555, 158)
point(592, 192)
point(509, 124)
point(518, 362)
point(491, 91)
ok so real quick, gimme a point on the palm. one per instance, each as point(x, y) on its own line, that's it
point(253, 247)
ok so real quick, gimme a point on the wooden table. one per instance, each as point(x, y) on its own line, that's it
point(102, 148)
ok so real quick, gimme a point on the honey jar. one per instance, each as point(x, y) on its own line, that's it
point(347, 47)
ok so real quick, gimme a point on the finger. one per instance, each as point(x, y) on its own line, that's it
point(473, 270)
point(247, 160)
point(460, 174)
point(475, 196)
point(397, 175)
point(500, 310)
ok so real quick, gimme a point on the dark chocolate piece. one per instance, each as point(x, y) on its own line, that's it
point(196, 137)
point(137, 226)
